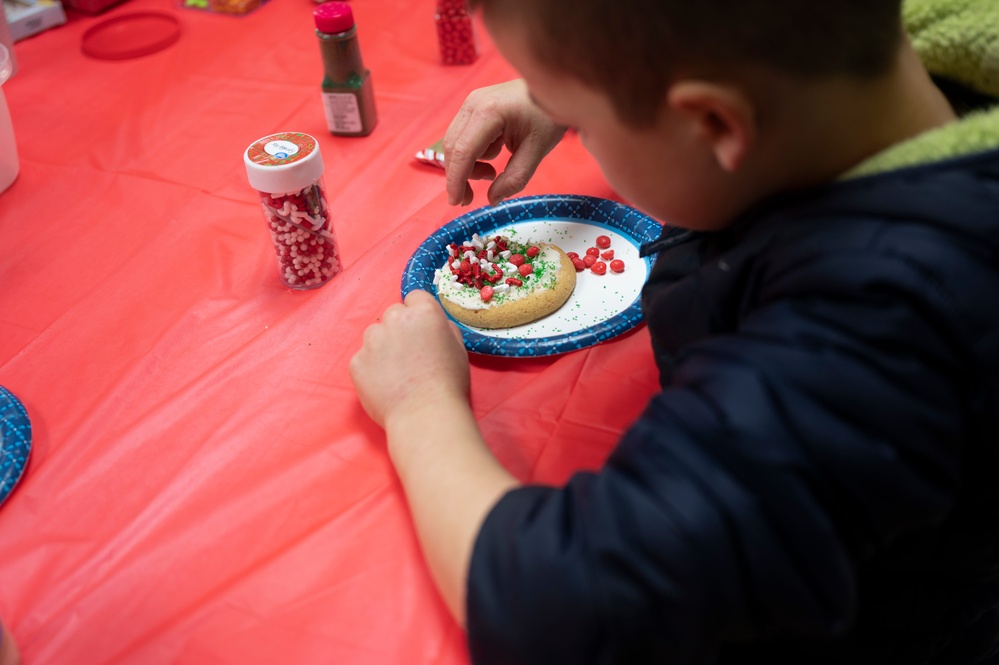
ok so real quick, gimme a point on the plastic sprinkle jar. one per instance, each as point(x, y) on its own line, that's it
point(456, 33)
point(287, 171)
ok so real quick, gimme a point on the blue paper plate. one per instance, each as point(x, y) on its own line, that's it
point(15, 442)
point(601, 306)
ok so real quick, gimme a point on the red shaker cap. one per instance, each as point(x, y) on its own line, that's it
point(333, 17)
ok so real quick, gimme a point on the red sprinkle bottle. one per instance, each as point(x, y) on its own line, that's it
point(287, 171)
point(456, 33)
point(348, 96)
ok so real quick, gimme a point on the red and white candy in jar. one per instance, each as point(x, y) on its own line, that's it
point(286, 169)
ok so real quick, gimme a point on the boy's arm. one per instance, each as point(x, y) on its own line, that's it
point(451, 481)
point(412, 378)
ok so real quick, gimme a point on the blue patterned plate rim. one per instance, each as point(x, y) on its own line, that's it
point(15, 442)
point(623, 219)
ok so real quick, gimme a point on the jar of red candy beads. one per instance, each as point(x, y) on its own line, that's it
point(456, 33)
point(287, 172)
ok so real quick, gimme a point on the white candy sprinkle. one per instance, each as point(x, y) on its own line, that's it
point(506, 254)
point(470, 255)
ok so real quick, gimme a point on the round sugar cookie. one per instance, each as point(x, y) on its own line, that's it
point(543, 291)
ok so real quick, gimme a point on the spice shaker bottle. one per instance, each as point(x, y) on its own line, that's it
point(348, 95)
point(455, 33)
point(287, 171)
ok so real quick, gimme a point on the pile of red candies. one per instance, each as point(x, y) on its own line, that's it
point(456, 33)
point(593, 256)
point(302, 232)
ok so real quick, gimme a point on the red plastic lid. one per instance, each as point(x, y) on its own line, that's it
point(131, 35)
point(333, 17)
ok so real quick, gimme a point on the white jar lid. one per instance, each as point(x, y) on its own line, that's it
point(283, 163)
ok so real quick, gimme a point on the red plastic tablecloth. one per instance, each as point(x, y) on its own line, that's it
point(203, 486)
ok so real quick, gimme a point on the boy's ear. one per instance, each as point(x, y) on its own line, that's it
point(720, 115)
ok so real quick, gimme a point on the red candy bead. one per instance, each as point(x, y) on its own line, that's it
point(617, 265)
point(608, 255)
point(603, 242)
point(598, 268)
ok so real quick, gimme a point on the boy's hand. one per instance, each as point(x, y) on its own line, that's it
point(412, 378)
point(414, 358)
point(493, 117)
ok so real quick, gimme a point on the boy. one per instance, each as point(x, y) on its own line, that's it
point(818, 480)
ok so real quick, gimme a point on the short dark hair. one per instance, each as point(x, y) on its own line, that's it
point(630, 49)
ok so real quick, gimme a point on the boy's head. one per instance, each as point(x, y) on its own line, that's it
point(632, 49)
point(692, 106)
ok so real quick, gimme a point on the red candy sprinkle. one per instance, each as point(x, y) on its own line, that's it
point(592, 251)
point(578, 264)
point(517, 259)
point(526, 269)
point(487, 293)
point(598, 268)
point(603, 242)
point(617, 265)
point(533, 251)
point(608, 255)
point(589, 260)
point(513, 281)
point(572, 255)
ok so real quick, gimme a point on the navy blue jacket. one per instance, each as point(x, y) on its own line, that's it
point(817, 482)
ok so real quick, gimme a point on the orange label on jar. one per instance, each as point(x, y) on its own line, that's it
point(281, 149)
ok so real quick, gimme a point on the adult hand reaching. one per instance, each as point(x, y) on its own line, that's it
point(490, 118)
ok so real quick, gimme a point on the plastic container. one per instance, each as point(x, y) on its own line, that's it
point(7, 39)
point(8, 147)
point(456, 33)
point(287, 171)
point(8, 650)
point(348, 95)
point(231, 7)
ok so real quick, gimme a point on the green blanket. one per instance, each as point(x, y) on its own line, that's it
point(957, 40)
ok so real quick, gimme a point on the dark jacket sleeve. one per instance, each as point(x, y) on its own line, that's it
point(739, 504)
